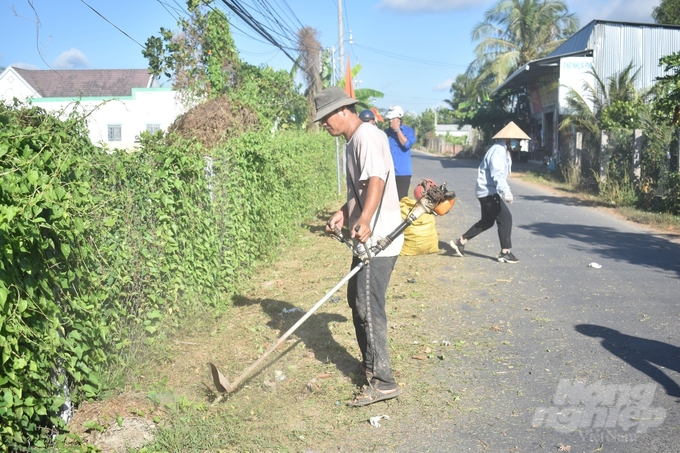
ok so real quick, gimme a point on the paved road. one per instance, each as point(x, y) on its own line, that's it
point(590, 358)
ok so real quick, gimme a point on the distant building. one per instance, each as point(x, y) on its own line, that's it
point(121, 102)
point(605, 46)
point(453, 130)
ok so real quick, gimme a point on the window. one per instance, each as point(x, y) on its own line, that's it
point(115, 132)
point(151, 128)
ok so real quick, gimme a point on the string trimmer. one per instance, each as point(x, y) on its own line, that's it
point(431, 199)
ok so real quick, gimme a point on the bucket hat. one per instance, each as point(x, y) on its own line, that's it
point(330, 99)
point(511, 131)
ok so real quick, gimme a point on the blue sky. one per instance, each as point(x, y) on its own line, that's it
point(411, 50)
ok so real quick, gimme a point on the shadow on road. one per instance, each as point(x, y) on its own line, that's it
point(566, 201)
point(635, 248)
point(641, 353)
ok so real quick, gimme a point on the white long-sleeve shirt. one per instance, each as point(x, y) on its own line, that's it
point(493, 172)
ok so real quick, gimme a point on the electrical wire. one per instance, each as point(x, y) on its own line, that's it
point(238, 9)
point(165, 7)
point(180, 8)
point(411, 59)
point(114, 25)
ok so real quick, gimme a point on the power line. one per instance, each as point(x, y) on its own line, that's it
point(410, 59)
point(166, 9)
point(114, 25)
point(246, 17)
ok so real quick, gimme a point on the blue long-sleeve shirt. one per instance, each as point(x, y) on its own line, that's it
point(492, 176)
point(401, 154)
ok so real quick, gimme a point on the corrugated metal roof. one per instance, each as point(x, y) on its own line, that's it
point(616, 44)
point(576, 43)
point(86, 82)
point(613, 46)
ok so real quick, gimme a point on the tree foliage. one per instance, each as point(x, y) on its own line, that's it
point(616, 104)
point(668, 12)
point(667, 90)
point(202, 61)
point(515, 32)
point(200, 57)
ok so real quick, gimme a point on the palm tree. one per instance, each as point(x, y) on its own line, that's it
point(515, 32)
point(609, 105)
point(609, 99)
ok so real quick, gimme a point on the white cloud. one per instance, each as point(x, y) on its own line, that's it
point(445, 85)
point(614, 10)
point(24, 66)
point(71, 59)
point(428, 5)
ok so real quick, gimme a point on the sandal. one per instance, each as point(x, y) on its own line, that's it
point(371, 395)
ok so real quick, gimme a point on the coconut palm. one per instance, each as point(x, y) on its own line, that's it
point(612, 105)
point(613, 101)
point(515, 32)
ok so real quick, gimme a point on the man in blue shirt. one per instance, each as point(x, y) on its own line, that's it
point(401, 138)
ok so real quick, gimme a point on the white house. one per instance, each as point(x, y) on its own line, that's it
point(121, 103)
point(453, 130)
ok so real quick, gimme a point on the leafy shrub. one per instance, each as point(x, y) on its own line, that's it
point(102, 250)
point(671, 199)
point(52, 337)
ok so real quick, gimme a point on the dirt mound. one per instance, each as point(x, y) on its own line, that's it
point(118, 423)
point(215, 121)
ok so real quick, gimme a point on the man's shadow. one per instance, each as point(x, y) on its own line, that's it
point(640, 353)
point(315, 332)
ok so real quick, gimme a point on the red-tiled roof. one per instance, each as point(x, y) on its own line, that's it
point(85, 82)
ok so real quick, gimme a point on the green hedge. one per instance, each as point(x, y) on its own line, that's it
point(100, 249)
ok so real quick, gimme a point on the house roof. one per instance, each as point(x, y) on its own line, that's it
point(579, 44)
point(86, 82)
point(452, 127)
point(537, 69)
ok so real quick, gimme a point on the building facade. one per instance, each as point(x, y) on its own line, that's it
point(603, 46)
point(119, 103)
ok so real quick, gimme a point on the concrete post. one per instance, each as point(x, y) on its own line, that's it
point(578, 150)
point(604, 155)
point(637, 160)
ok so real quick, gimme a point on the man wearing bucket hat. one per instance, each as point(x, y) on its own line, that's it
point(493, 193)
point(401, 138)
point(372, 211)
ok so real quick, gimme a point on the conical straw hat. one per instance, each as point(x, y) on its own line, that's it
point(511, 131)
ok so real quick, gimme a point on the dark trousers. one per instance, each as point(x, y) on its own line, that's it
point(494, 210)
point(403, 184)
point(366, 296)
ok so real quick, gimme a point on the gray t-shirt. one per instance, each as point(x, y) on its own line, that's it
point(368, 155)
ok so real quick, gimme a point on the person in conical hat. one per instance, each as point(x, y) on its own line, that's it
point(494, 195)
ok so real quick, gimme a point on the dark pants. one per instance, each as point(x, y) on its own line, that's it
point(403, 184)
point(494, 210)
point(366, 296)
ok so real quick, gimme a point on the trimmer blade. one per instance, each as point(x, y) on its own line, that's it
point(221, 382)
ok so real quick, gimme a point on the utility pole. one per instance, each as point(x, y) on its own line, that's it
point(340, 36)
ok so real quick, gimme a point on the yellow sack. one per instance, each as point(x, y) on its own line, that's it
point(421, 237)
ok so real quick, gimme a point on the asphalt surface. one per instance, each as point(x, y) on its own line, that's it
point(591, 357)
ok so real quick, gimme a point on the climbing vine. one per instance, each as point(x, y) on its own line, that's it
point(99, 250)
